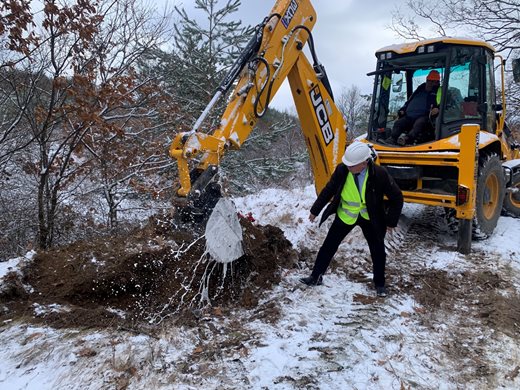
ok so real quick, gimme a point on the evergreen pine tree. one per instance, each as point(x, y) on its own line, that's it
point(202, 54)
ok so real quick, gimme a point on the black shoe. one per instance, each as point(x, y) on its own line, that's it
point(403, 140)
point(381, 292)
point(312, 280)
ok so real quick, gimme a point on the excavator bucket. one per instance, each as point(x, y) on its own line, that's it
point(224, 233)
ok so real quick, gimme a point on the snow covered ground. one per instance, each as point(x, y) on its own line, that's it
point(335, 336)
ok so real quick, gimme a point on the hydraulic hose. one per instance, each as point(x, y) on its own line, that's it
point(258, 96)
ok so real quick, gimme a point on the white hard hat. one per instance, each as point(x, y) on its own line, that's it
point(356, 153)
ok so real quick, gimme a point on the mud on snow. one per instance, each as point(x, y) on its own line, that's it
point(138, 280)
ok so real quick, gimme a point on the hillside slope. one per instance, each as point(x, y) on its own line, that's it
point(450, 321)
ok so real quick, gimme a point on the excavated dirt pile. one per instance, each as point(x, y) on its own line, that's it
point(140, 279)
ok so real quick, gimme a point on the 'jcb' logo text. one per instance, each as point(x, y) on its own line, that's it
point(289, 14)
point(321, 115)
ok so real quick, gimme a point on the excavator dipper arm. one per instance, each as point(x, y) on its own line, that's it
point(274, 53)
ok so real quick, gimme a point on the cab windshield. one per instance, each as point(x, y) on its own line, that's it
point(465, 95)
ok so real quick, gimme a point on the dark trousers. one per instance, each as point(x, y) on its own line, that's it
point(338, 231)
point(419, 129)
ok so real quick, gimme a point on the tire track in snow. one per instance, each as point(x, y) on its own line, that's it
point(339, 336)
point(454, 298)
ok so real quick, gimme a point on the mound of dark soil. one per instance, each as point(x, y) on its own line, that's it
point(142, 278)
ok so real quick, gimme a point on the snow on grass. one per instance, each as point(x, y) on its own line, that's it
point(37, 358)
point(335, 336)
point(13, 264)
point(336, 343)
point(505, 240)
point(34, 357)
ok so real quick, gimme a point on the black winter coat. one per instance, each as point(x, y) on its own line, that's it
point(431, 100)
point(379, 184)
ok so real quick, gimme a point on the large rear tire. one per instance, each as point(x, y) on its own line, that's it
point(490, 195)
point(512, 198)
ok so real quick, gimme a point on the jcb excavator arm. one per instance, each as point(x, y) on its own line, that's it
point(274, 53)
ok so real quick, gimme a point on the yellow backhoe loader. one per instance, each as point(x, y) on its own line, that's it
point(469, 164)
point(467, 167)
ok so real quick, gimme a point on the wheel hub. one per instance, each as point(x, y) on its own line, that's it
point(515, 196)
point(490, 198)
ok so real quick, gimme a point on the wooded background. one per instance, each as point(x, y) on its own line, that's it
point(93, 92)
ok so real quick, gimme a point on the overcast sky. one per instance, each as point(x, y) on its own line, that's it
point(346, 35)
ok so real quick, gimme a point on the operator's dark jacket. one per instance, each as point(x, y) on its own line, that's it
point(379, 183)
point(431, 100)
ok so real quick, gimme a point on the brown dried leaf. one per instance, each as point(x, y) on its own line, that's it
point(32, 337)
point(86, 352)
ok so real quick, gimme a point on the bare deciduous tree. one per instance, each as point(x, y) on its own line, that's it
point(497, 21)
point(355, 107)
point(74, 76)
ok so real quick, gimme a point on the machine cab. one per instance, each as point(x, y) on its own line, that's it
point(466, 93)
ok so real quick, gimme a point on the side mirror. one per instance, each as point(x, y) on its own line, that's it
point(516, 70)
point(398, 84)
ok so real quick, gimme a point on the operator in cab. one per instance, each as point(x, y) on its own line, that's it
point(415, 123)
point(356, 192)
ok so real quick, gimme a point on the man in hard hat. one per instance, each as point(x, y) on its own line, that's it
point(415, 117)
point(356, 193)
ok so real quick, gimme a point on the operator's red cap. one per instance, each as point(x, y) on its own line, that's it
point(434, 76)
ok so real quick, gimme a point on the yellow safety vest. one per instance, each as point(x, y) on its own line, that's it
point(352, 202)
point(438, 96)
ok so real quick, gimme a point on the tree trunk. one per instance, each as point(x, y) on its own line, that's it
point(43, 227)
